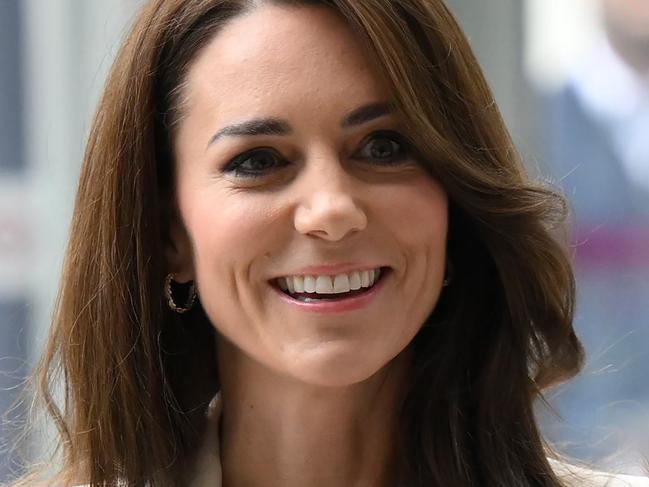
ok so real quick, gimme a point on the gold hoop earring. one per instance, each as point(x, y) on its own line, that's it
point(191, 297)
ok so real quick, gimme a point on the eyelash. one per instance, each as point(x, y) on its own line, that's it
point(403, 152)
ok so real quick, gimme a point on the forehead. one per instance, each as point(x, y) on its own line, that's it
point(282, 58)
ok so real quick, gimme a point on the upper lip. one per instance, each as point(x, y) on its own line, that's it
point(330, 269)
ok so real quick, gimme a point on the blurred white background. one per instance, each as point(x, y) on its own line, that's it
point(54, 56)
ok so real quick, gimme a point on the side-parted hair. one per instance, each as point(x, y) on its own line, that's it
point(136, 378)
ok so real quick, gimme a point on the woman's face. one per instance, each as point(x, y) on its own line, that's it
point(289, 163)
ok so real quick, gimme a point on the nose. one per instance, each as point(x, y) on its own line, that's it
point(329, 209)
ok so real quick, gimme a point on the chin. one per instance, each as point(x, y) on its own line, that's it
point(337, 368)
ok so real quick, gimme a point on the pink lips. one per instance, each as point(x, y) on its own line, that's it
point(338, 305)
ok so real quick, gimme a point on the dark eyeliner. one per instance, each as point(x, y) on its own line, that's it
point(234, 166)
point(404, 151)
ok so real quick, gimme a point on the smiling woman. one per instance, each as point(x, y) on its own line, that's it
point(310, 216)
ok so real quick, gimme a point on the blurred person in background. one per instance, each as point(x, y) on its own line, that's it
point(597, 148)
point(599, 122)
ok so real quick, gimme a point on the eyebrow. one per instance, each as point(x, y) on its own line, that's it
point(276, 126)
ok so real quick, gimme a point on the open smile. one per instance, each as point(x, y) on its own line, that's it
point(332, 302)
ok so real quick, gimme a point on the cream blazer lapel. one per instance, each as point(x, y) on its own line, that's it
point(207, 469)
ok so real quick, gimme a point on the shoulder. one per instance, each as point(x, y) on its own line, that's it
point(578, 476)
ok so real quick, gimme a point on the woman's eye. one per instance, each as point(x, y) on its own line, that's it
point(385, 147)
point(256, 163)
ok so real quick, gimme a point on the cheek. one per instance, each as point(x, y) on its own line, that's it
point(418, 217)
point(226, 231)
point(230, 241)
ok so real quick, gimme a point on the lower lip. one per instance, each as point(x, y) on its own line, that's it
point(338, 305)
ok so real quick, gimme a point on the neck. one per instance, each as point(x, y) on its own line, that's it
point(276, 430)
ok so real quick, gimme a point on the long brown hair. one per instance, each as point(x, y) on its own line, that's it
point(135, 376)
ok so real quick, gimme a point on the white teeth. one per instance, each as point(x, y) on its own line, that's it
point(323, 285)
point(298, 283)
point(365, 279)
point(340, 283)
point(355, 281)
point(309, 284)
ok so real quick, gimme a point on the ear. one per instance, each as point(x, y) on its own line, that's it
point(179, 252)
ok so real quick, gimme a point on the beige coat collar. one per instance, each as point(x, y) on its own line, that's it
point(207, 470)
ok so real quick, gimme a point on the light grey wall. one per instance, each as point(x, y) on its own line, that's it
point(11, 157)
point(495, 31)
point(54, 56)
point(13, 306)
point(69, 46)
